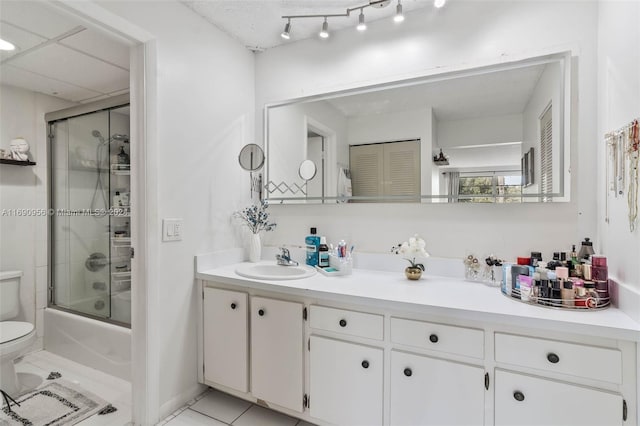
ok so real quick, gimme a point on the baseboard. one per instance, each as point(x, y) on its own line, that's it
point(180, 400)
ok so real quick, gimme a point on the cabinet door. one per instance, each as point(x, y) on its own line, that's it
point(277, 352)
point(345, 382)
point(527, 400)
point(428, 391)
point(226, 338)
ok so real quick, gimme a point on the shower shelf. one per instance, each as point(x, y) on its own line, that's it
point(120, 275)
point(121, 241)
point(16, 162)
point(120, 169)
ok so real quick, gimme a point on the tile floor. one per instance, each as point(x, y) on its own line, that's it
point(34, 368)
point(217, 408)
point(212, 407)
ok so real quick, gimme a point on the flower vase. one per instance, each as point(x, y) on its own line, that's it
point(254, 247)
point(413, 272)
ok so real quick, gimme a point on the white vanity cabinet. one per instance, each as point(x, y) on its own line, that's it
point(225, 336)
point(527, 400)
point(346, 382)
point(276, 352)
point(430, 391)
point(333, 360)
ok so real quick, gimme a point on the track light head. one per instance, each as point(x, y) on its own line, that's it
point(287, 29)
point(324, 33)
point(439, 3)
point(361, 24)
point(399, 17)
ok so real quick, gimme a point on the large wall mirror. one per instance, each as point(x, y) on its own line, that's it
point(495, 134)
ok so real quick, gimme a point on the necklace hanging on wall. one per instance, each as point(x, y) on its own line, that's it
point(633, 139)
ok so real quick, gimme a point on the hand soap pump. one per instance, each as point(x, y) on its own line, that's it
point(312, 243)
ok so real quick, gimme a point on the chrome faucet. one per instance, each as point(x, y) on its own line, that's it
point(284, 258)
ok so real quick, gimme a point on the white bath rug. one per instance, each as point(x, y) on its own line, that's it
point(53, 404)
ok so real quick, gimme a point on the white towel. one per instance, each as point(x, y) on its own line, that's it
point(344, 185)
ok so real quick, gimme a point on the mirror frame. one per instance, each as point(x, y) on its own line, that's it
point(564, 57)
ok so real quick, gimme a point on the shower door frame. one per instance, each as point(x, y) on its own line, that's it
point(51, 119)
point(145, 343)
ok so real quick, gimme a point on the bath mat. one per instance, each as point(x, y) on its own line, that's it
point(54, 404)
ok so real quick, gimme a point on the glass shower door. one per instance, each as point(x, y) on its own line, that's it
point(80, 197)
point(90, 229)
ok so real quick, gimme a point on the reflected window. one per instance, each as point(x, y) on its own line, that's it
point(490, 187)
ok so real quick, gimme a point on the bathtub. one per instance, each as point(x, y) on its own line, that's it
point(96, 344)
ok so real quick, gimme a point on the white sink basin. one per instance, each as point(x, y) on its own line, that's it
point(273, 271)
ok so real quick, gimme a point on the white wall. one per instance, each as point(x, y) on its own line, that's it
point(23, 239)
point(618, 104)
point(288, 146)
point(205, 92)
point(547, 92)
point(462, 34)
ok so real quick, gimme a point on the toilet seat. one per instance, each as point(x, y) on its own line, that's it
point(14, 336)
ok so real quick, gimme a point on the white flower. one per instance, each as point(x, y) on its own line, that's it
point(412, 249)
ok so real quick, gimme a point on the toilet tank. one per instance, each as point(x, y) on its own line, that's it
point(9, 294)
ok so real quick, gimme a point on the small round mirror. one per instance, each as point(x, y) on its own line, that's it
point(307, 170)
point(251, 157)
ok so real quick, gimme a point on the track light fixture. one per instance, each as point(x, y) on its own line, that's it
point(287, 29)
point(361, 24)
point(324, 33)
point(399, 15)
point(439, 3)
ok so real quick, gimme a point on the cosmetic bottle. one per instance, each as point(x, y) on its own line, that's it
point(562, 273)
point(593, 299)
point(568, 294)
point(525, 287)
point(536, 258)
point(517, 270)
point(312, 242)
point(574, 256)
point(556, 293)
point(599, 270)
point(580, 300)
point(586, 249)
point(544, 292)
point(323, 253)
point(507, 284)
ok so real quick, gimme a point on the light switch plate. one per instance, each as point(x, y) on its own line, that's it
point(172, 229)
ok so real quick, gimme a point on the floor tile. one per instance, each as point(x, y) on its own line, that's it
point(192, 418)
point(221, 406)
point(264, 417)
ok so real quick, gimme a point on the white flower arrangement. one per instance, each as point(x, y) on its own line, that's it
point(412, 249)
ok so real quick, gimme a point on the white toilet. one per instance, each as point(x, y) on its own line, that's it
point(15, 336)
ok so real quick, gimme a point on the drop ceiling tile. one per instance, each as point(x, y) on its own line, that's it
point(14, 76)
point(22, 39)
point(64, 64)
point(97, 44)
point(37, 17)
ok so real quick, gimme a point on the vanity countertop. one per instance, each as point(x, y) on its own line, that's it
point(443, 296)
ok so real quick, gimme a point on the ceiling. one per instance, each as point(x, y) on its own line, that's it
point(489, 94)
point(258, 23)
point(58, 56)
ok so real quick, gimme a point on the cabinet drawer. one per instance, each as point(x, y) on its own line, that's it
point(523, 400)
point(347, 322)
point(567, 358)
point(438, 337)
